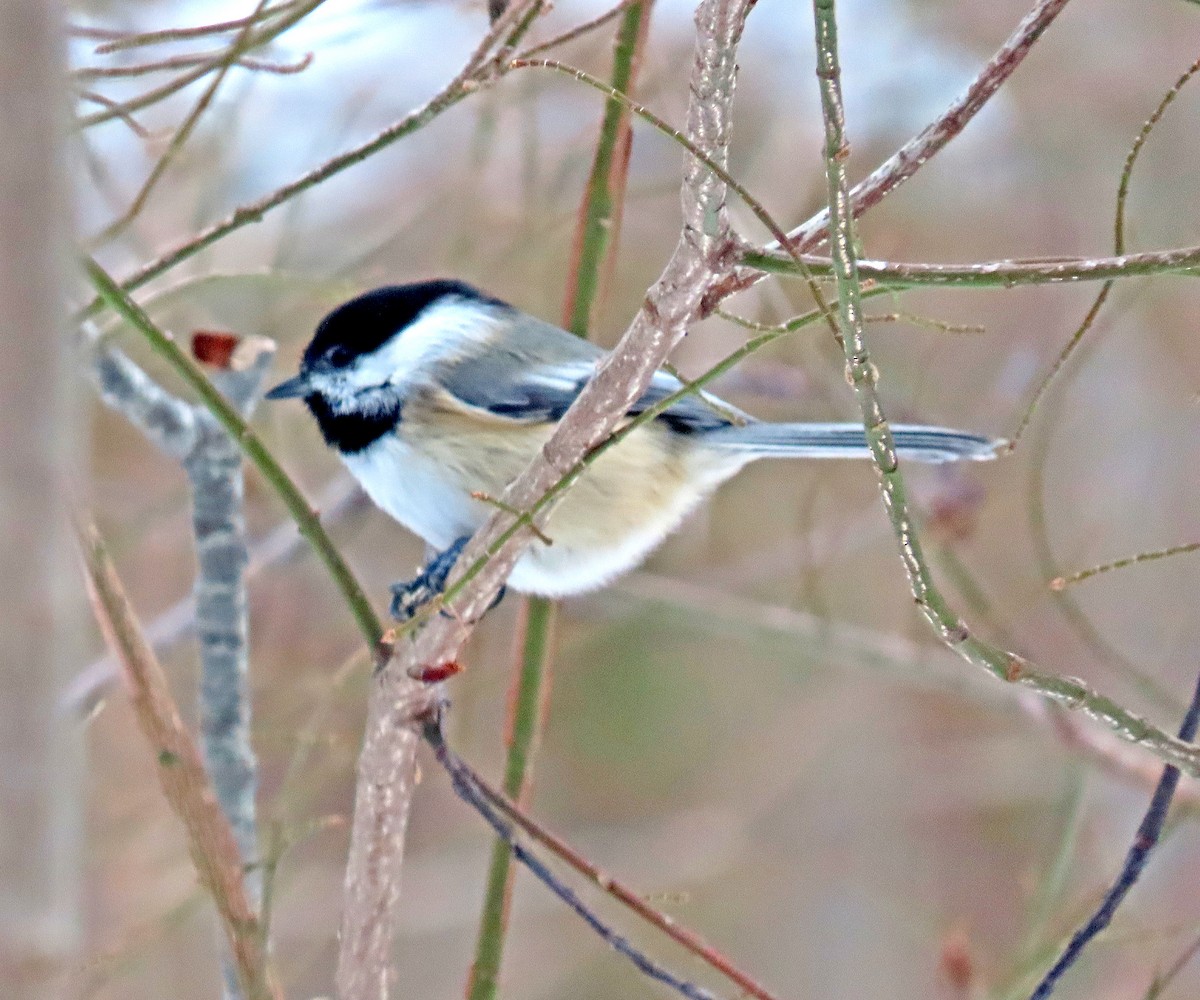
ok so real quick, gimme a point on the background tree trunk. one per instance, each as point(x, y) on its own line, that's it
point(40, 788)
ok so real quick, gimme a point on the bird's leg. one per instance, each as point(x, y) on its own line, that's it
point(409, 596)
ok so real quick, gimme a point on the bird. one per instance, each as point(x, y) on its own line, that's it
point(436, 395)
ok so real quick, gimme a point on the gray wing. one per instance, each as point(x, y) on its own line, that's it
point(541, 375)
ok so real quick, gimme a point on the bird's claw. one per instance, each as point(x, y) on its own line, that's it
point(408, 597)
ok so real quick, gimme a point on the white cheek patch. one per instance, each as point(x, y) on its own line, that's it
point(442, 331)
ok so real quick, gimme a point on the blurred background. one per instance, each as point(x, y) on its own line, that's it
point(756, 729)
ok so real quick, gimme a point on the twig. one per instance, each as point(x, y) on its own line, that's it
point(1136, 859)
point(211, 841)
point(997, 273)
point(578, 31)
point(1062, 582)
point(186, 62)
point(134, 126)
point(619, 891)
point(473, 795)
point(89, 687)
point(117, 40)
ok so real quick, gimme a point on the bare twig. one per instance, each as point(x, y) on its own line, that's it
point(915, 153)
point(1062, 582)
point(601, 879)
point(117, 40)
point(1136, 859)
point(211, 840)
point(89, 687)
point(470, 792)
point(998, 273)
point(186, 62)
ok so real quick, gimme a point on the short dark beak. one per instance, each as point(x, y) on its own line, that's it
point(293, 388)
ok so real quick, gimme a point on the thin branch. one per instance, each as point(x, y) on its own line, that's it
point(1062, 582)
point(117, 40)
point(474, 796)
point(107, 102)
point(635, 901)
point(306, 518)
point(1136, 859)
point(587, 27)
point(997, 273)
point(187, 62)
point(185, 783)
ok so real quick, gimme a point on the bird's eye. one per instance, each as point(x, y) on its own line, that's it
point(339, 356)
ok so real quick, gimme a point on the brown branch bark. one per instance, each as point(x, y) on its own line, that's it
point(922, 147)
point(703, 256)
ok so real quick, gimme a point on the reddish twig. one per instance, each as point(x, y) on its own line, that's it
point(915, 153)
point(185, 783)
point(635, 901)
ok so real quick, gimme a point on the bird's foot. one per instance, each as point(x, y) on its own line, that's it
point(410, 596)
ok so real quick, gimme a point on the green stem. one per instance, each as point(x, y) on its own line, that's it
point(950, 629)
point(993, 274)
point(595, 241)
point(600, 218)
point(524, 736)
point(307, 519)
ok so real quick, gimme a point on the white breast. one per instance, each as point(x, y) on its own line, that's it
point(411, 488)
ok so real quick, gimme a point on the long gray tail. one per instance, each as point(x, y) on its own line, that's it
point(913, 442)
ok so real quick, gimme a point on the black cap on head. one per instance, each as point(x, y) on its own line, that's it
point(364, 323)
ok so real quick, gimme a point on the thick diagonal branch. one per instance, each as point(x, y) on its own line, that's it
point(702, 257)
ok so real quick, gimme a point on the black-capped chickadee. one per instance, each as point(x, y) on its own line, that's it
point(435, 393)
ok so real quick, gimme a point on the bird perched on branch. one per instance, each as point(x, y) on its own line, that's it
point(437, 395)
